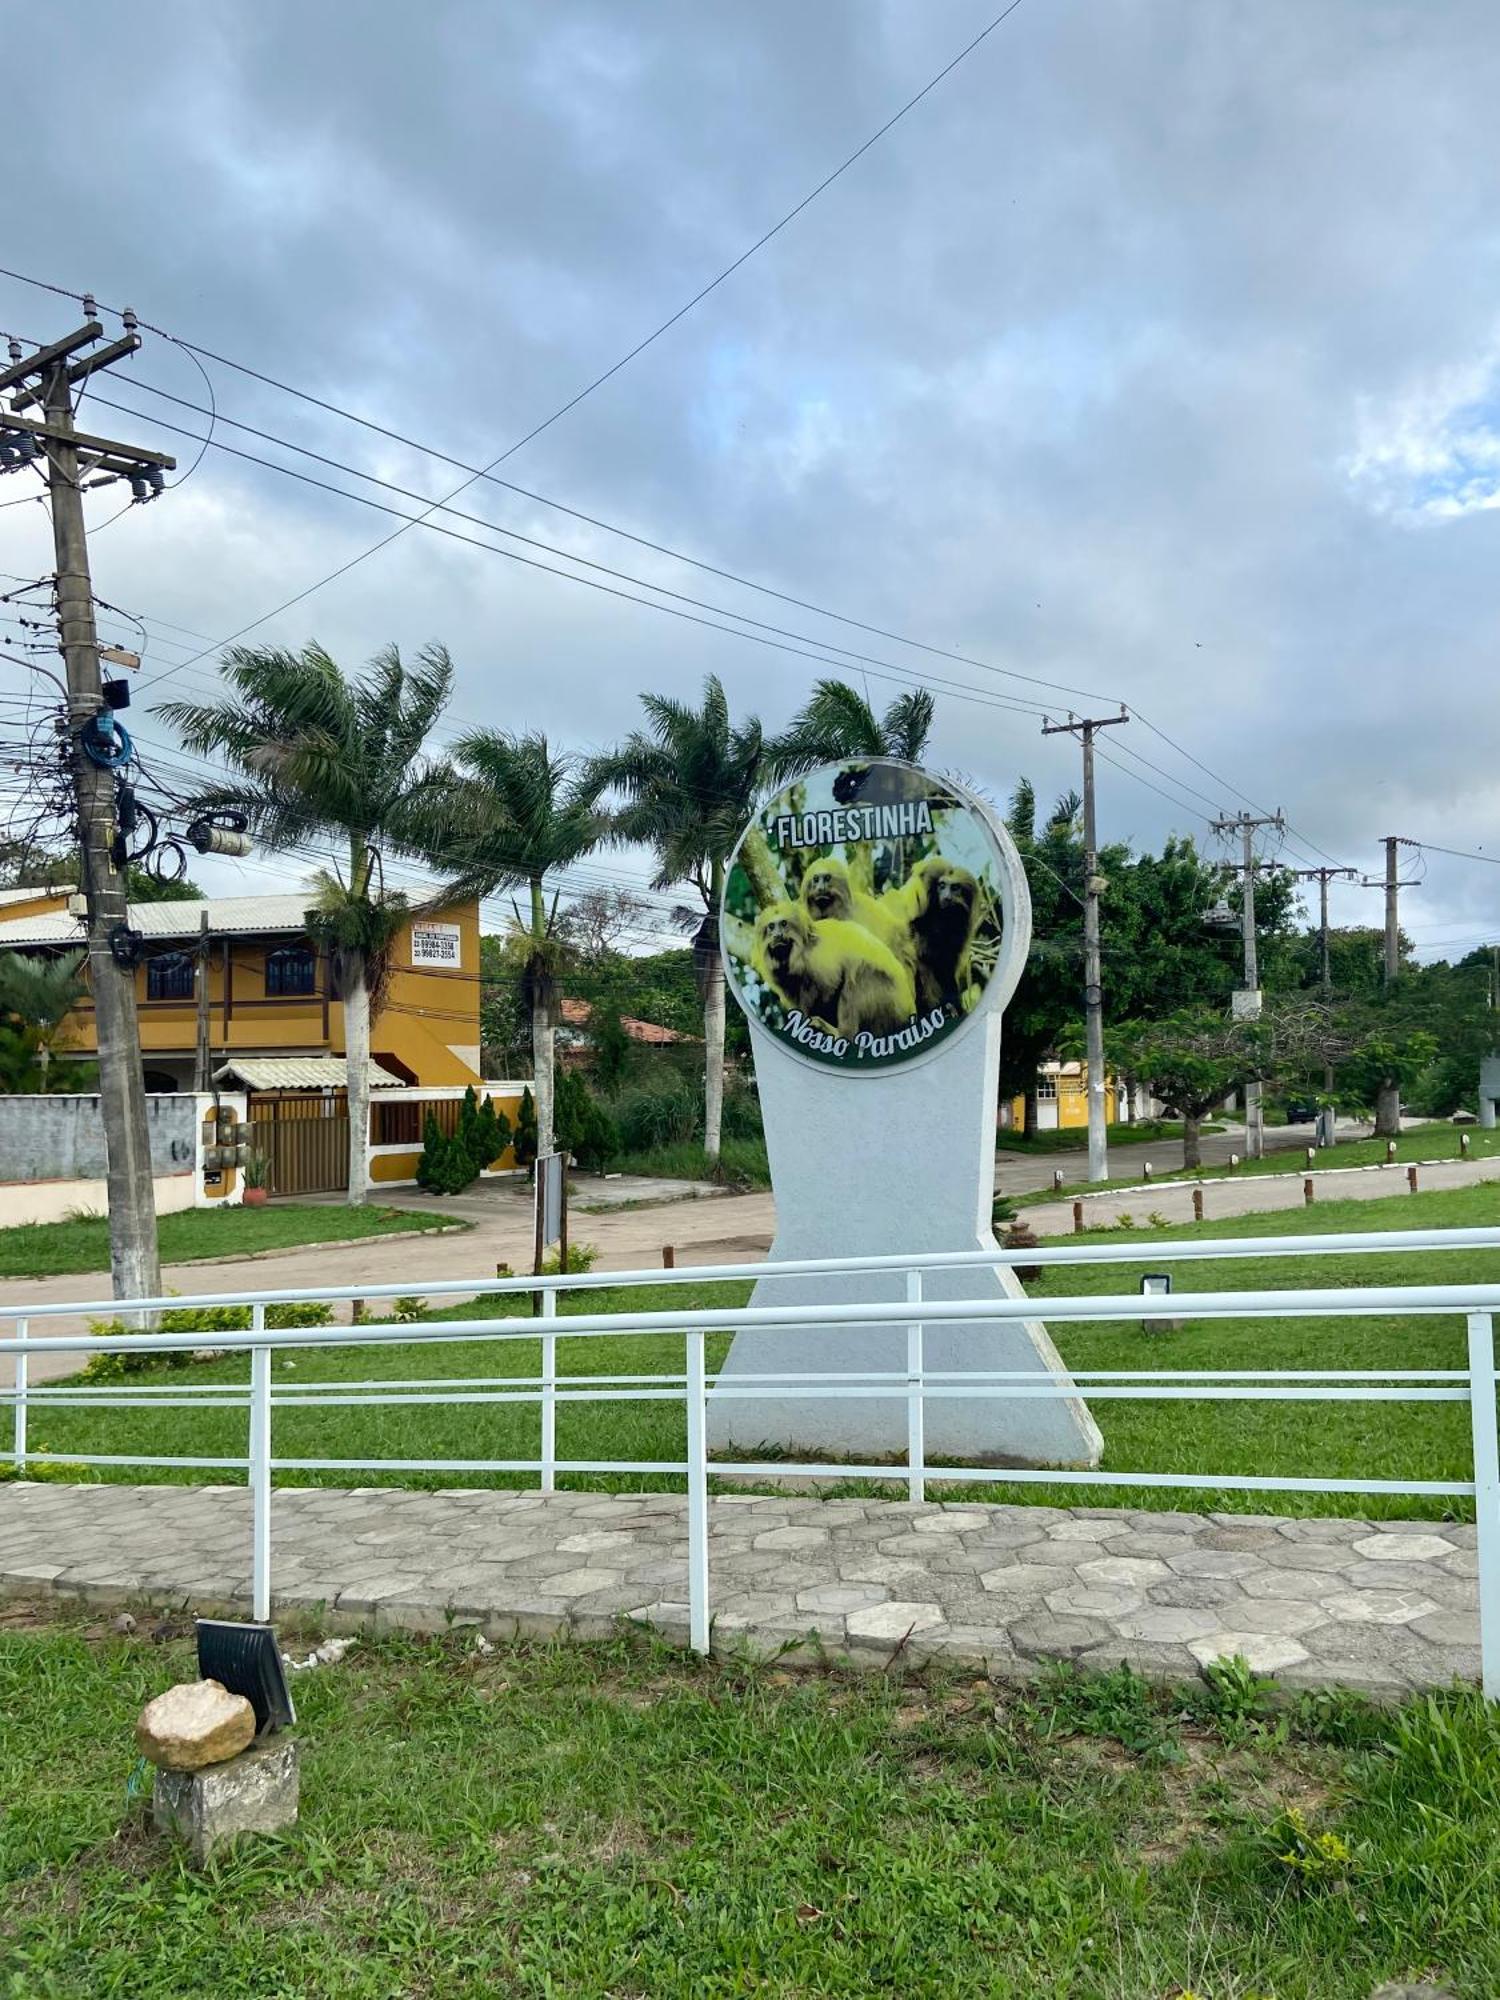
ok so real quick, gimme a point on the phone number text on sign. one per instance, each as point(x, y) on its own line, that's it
point(436, 945)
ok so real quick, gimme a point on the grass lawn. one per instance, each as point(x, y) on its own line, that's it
point(1423, 1142)
point(52, 1249)
point(614, 1820)
point(1075, 1138)
point(1349, 1440)
point(743, 1160)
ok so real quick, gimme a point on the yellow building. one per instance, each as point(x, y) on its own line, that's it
point(1062, 1098)
point(242, 972)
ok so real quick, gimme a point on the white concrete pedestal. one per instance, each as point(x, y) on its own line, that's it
point(902, 1162)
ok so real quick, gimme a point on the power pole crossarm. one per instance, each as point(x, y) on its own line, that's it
point(1084, 728)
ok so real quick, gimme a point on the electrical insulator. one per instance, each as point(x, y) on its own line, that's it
point(158, 481)
point(13, 347)
point(90, 306)
point(130, 320)
point(140, 486)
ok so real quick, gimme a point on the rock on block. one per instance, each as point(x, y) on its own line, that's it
point(255, 1792)
point(196, 1723)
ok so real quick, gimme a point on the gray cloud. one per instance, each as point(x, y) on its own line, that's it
point(1129, 359)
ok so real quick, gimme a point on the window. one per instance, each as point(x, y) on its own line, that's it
point(290, 971)
point(169, 976)
point(1046, 1087)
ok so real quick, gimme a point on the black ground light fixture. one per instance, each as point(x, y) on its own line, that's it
point(246, 1659)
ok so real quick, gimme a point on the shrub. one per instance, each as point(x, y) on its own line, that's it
point(524, 1138)
point(581, 1257)
point(447, 1165)
point(195, 1319)
point(667, 1111)
point(483, 1132)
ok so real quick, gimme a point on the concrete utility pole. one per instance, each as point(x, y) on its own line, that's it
point(1084, 727)
point(48, 379)
point(1247, 825)
point(1388, 1096)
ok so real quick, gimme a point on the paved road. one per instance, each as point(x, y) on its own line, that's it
point(1387, 1606)
point(728, 1229)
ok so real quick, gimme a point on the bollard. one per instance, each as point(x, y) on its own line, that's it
point(356, 1312)
point(1390, 1152)
point(1146, 1170)
point(1234, 1160)
point(1312, 1154)
point(1463, 1145)
point(1307, 1191)
point(1411, 1179)
point(668, 1257)
point(1078, 1218)
point(1197, 1204)
point(1057, 1177)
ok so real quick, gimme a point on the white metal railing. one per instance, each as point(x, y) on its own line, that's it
point(915, 1384)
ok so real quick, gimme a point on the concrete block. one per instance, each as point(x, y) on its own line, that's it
point(256, 1792)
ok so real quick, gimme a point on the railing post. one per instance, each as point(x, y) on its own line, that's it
point(916, 1443)
point(1486, 1493)
point(260, 1472)
point(697, 1484)
point(18, 1447)
point(549, 1396)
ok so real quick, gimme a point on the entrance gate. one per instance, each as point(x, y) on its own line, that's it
point(304, 1137)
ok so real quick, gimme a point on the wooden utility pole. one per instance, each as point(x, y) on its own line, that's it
point(1388, 1096)
point(1084, 728)
point(48, 379)
point(202, 1060)
point(1247, 825)
point(1323, 876)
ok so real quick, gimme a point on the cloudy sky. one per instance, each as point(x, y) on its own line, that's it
point(1156, 354)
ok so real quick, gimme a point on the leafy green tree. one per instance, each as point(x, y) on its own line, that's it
point(611, 1047)
point(524, 814)
point(315, 754)
point(688, 783)
point(37, 995)
point(837, 722)
point(524, 1138)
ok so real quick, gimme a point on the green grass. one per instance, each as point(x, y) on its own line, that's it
point(53, 1249)
point(1075, 1138)
point(614, 1820)
point(1348, 1440)
point(744, 1163)
point(1423, 1142)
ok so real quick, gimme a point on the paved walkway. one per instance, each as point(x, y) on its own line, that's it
point(1382, 1606)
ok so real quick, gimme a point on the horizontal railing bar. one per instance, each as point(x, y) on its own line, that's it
point(992, 1475)
point(55, 1458)
point(1169, 1250)
point(667, 1465)
point(766, 1386)
point(1368, 1302)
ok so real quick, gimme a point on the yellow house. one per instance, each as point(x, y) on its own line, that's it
point(241, 975)
point(1062, 1098)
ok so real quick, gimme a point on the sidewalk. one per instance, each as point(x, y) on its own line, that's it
point(1387, 1607)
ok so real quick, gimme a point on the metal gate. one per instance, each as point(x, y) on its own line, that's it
point(304, 1139)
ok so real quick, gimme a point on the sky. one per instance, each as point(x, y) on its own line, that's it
point(1155, 356)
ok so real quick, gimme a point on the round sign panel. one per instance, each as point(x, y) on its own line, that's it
point(871, 911)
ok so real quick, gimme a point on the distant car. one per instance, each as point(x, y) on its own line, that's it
point(1302, 1111)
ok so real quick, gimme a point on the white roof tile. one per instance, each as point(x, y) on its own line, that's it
point(228, 916)
point(299, 1073)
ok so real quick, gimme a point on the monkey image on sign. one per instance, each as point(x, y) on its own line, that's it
point(837, 975)
point(941, 901)
point(828, 892)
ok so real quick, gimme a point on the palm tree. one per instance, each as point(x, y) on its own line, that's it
point(38, 994)
point(526, 812)
point(314, 754)
point(689, 781)
point(839, 722)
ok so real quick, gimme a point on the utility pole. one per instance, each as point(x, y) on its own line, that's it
point(1247, 825)
point(1084, 728)
point(202, 1061)
point(48, 379)
point(1323, 876)
point(1388, 1096)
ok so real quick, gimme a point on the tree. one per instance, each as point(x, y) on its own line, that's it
point(611, 1047)
point(838, 722)
point(36, 997)
point(1193, 1058)
point(315, 754)
point(25, 867)
point(525, 813)
point(689, 782)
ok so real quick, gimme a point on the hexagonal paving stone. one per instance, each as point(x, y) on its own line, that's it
point(1405, 1548)
point(1449, 1628)
point(1145, 1542)
point(1024, 1583)
point(1263, 1652)
point(1213, 1562)
point(1377, 1607)
point(1308, 1555)
point(1048, 1635)
point(1166, 1624)
point(1076, 1529)
point(840, 1597)
point(1136, 1570)
point(1312, 1588)
point(792, 1538)
point(1196, 1593)
point(1281, 1614)
point(892, 1622)
point(1093, 1601)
